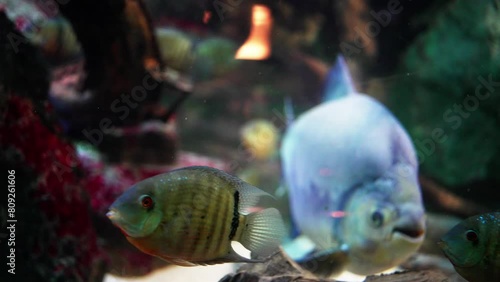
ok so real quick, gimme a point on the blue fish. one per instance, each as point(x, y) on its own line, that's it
point(352, 178)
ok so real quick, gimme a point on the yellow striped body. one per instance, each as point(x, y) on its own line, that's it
point(197, 220)
point(190, 216)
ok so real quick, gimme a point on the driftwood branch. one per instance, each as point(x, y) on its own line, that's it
point(446, 201)
point(281, 268)
point(123, 67)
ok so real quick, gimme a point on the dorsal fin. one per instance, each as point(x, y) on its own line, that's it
point(339, 82)
point(288, 110)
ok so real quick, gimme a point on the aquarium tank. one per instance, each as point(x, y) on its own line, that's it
point(249, 140)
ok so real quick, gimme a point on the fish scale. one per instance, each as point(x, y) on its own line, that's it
point(218, 220)
point(207, 243)
point(221, 219)
point(191, 222)
point(216, 212)
point(490, 227)
point(493, 254)
point(205, 237)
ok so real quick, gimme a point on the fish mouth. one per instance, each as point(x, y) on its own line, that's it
point(413, 233)
point(117, 220)
point(410, 232)
point(446, 251)
point(410, 228)
point(112, 215)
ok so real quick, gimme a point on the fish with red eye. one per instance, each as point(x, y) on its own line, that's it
point(190, 216)
point(147, 202)
point(473, 247)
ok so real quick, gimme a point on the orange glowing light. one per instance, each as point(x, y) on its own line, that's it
point(257, 46)
point(337, 214)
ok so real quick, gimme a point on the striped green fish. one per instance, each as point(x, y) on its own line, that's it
point(190, 216)
point(473, 247)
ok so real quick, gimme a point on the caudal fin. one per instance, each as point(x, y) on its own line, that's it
point(263, 232)
point(339, 82)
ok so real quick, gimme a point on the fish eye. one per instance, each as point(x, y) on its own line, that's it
point(377, 218)
point(471, 235)
point(147, 201)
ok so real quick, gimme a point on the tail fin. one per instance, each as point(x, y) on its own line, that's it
point(263, 233)
point(339, 81)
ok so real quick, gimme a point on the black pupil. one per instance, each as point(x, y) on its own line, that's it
point(471, 236)
point(146, 202)
point(377, 218)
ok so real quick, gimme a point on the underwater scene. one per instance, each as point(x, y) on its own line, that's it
point(250, 140)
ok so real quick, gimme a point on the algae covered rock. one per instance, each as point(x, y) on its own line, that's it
point(448, 96)
point(214, 58)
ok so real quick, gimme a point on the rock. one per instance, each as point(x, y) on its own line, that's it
point(450, 105)
point(55, 239)
point(412, 276)
point(279, 267)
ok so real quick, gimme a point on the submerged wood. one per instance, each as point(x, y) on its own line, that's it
point(280, 268)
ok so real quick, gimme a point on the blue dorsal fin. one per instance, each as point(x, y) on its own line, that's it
point(288, 110)
point(339, 82)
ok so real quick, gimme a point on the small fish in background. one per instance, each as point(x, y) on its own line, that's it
point(201, 58)
point(58, 41)
point(351, 172)
point(190, 216)
point(176, 48)
point(473, 247)
point(260, 137)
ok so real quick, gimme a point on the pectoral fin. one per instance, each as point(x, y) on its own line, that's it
point(263, 232)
